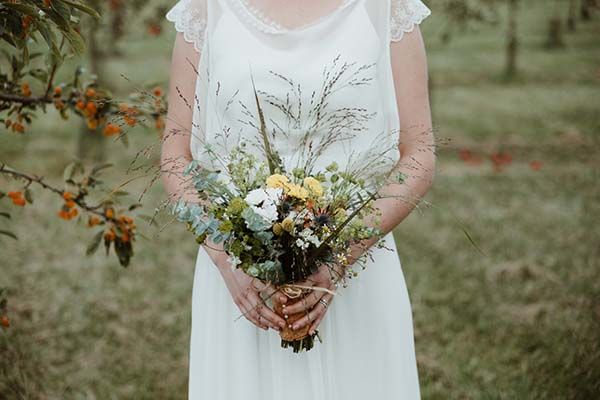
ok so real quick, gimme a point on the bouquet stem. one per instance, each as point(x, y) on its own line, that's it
point(299, 339)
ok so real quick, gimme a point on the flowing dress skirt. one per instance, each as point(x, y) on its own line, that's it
point(367, 351)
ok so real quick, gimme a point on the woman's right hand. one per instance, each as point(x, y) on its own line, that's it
point(246, 293)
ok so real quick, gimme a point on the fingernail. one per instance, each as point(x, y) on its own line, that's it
point(295, 327)
point(282, 324)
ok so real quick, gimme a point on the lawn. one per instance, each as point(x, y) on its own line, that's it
point(515, 317)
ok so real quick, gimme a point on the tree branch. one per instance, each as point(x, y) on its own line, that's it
point(39, 180)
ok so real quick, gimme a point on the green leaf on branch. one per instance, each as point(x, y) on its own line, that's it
point(9, 234)
point(135, 206)
point(75, 39)
point(28, 196)
point(95, 243)
point(22, 8)
point(50, 39)
point(39, 74)
point(83, 7)
point(124, 252)
point(72, 169)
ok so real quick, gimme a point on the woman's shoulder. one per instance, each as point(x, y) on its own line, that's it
point(405, 15)
point(189, 17)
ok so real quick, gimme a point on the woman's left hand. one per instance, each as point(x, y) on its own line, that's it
point(317, 302)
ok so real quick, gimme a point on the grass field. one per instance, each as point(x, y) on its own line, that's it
point(519, 319)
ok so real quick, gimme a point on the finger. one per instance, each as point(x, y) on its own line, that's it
point(268, 315)
point(269, 290)
point(306, 303)
point(251, 315)
point(311, 316)
point(317, 322)
point(318, 311)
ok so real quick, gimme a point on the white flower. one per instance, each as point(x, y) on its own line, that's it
point(264, 202)
point(263, 195)
point(234, 260)
point(310, 237)
point(302, 244)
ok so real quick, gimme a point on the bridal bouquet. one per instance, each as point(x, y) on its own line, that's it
point(279, 225)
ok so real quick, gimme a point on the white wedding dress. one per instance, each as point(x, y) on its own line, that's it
point(368, 344)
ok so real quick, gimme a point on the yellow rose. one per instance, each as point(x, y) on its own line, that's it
point(314, 186)
point(277, 181)
point(287, 224)
point(297, 191)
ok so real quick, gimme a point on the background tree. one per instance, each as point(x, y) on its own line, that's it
point(572, 16)
point(588, 7)
point(512, 39)
point(104, 36)
point(555, 38)
point(28, 87)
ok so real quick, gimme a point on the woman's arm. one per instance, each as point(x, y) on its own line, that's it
point(176, 155)
point(417, 142)
point(417, 163)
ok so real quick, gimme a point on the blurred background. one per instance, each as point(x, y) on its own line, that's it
point(515, 91)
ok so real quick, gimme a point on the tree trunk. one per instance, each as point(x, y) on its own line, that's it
point(91, 143)
point(117, 8)
point(572, 18)
point(555, 33)
point(587, 9)
point(512, 40)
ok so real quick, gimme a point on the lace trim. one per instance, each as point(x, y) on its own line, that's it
point(406, 14)
point(190, 21)
point(265, 24)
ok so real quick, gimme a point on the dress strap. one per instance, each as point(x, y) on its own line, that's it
point(190, 18)
point(405, 15)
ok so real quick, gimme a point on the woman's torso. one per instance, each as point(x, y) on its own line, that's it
point(347, 48)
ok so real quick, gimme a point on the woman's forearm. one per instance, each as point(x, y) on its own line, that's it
point(175, 150)
point(417, 142)
point(399, 199)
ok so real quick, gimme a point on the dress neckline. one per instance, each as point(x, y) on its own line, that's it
point(266, 24)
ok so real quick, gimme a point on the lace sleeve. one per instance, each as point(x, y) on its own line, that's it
point(189, 17)
point(405, 14)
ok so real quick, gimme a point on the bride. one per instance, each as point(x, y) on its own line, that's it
point(368, 344)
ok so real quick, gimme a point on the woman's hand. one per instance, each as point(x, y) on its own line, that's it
point(246, 293)
point(317, 302)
